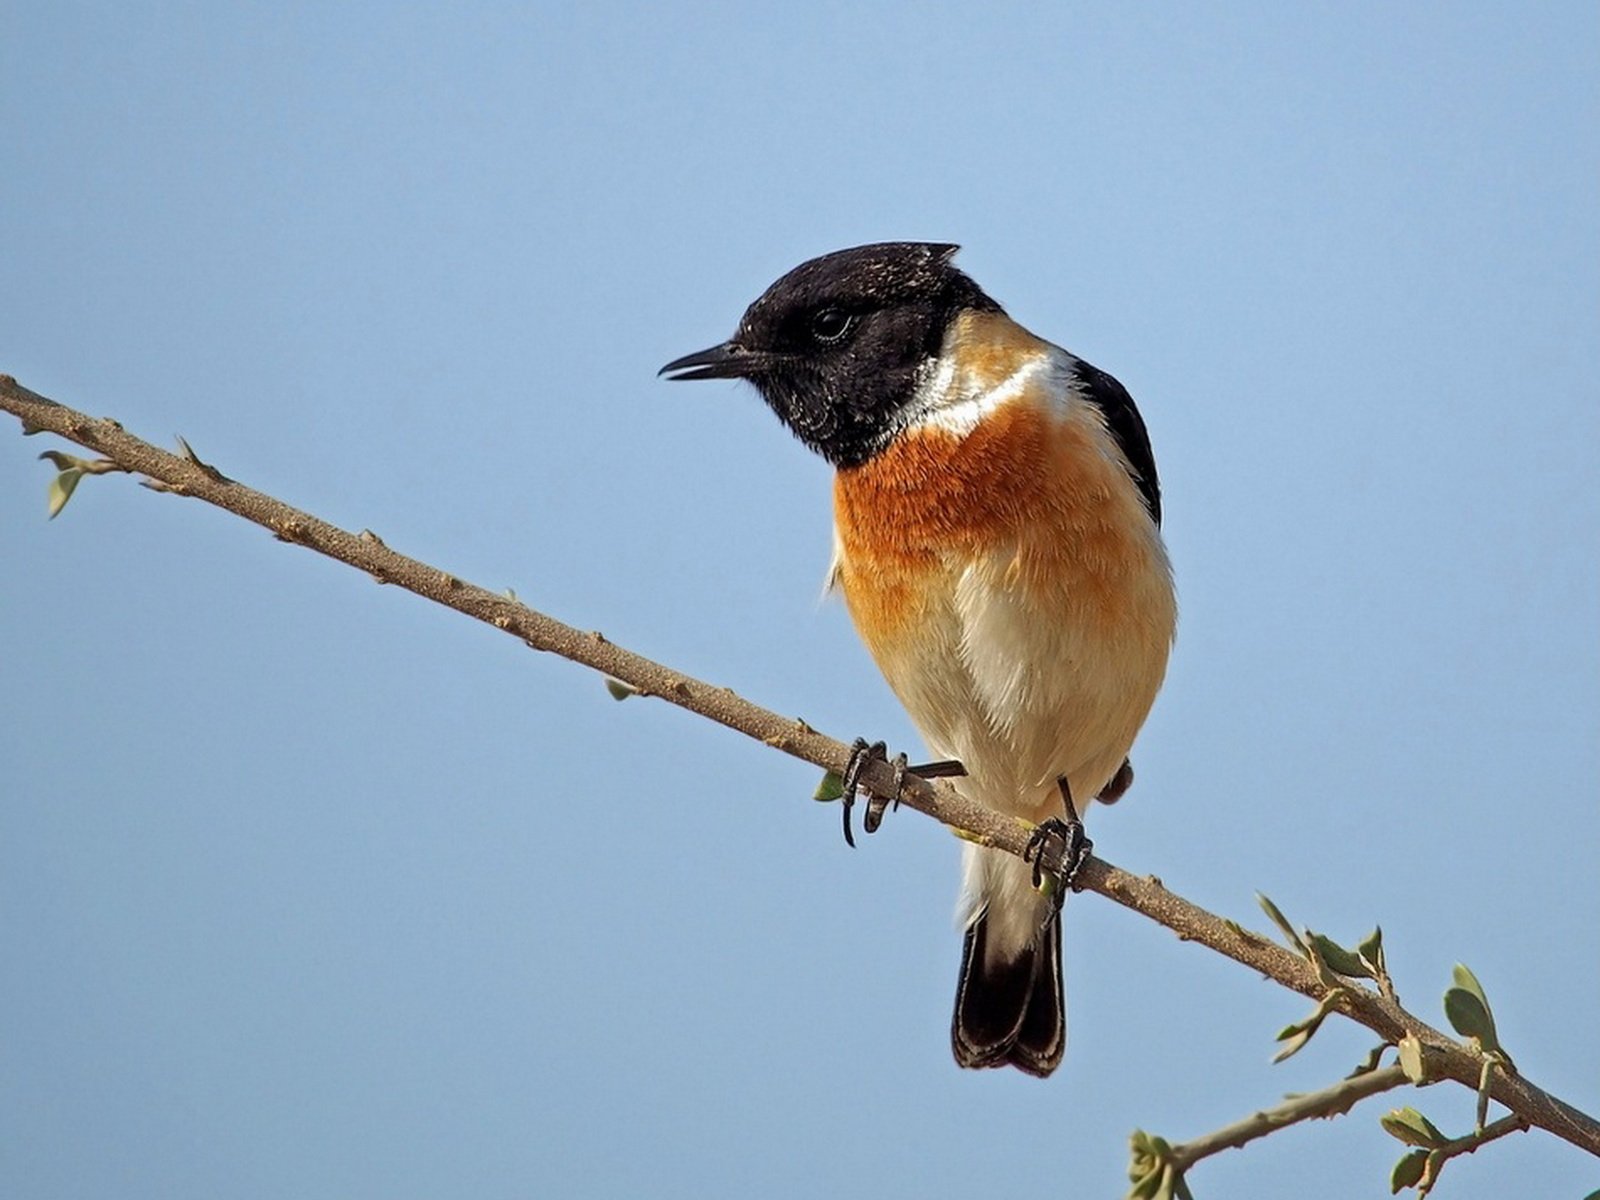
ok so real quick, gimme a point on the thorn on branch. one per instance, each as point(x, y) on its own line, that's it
point(195, 459)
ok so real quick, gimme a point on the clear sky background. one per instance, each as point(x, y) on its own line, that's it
point(309, 888)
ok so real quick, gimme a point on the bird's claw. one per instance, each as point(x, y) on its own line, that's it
point(862, 755)
point(1075, 848)
point(877, 805)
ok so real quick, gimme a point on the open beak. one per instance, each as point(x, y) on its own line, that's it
point(727, 361)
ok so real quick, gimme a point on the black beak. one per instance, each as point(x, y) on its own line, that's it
point(727, 361)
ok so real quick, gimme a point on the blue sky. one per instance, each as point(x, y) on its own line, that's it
point(313, 889)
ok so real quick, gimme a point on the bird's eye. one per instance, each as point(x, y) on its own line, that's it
point(831, 324)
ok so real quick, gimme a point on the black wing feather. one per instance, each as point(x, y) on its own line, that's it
point(1127, 427)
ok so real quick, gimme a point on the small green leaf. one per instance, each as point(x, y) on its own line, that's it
point(831, 787)
point(1407, 1172)
point(63, 462)
point(1411, 1058)
point(1289, 1031)
point(1373, 1060)
point(1412, 1128)
point(1371, 952)
point(1282, 922)
point(1293, 1044)
point(61, 489)
point(1485, 1084)
point(1469, 1017)
point(1465, 979)
point(1297, 1035)
point(1150, 1168)
point(620, 690)
point(1467, 1008)
point(1345, 962)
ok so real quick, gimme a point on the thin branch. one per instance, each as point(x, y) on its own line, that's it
point(187, 475)
point(1468, 1144)
point(1329, 1102)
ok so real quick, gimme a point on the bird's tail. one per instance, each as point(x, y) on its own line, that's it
point(1011, 1011)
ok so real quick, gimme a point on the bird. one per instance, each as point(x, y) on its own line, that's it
point(997, 538)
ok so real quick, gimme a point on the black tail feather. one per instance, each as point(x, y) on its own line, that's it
point(1011, 1013)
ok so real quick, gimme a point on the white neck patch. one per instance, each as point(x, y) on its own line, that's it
point(948, 401)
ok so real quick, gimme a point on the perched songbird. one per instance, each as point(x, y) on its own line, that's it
point(996, 536)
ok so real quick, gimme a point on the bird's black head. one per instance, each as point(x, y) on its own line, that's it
point(836, 345)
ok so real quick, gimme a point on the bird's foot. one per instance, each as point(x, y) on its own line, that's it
point(1075, 848)
point(862, 755)
point(945, 768)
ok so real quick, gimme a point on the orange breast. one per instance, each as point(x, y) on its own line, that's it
point(1039, 480)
